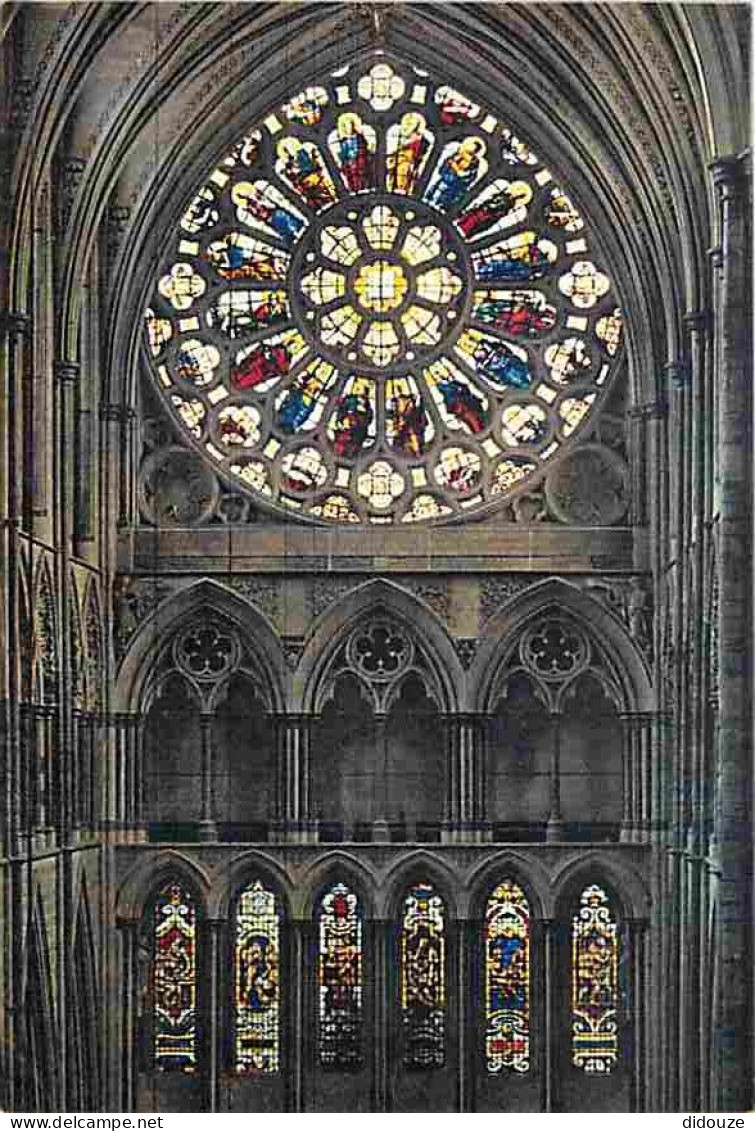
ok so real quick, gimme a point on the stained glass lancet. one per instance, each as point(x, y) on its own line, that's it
point(174, 979)
point(507, 979)
point(595, 984)
point(423, 978)
point(340, 990)
point(256, 981)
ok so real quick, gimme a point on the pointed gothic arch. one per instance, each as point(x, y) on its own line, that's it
point(377, 597)
point(178, 610)
point(502, 630)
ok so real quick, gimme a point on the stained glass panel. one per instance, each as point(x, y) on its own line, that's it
point(460, 166)
point(595, 984)
point(423, 978)
point(174, 980)
point(340, 977)
point(383, 269)
point(256, 981)
point(353, 145)
point(507, 979)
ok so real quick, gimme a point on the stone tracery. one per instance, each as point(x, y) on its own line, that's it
point(381, 308)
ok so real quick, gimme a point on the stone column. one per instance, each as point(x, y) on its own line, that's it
point(14, 328)
point(141, 831)
point(66, 382)
point(464, 949)
point(636, 932)
point(629, 782)
point(549, 995)
point(120, 751)
point(208, 829)
point(129, 932)
point(382, 992)
point(214, 1014)
point(298, 1036)
point(464, 770)
point(76, 772)
point(295, 812)
point(555, 831)
point(732, 1033)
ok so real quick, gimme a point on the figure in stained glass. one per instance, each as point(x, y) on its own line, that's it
point(519, 313)
point(300, 164)
point(522, 258)
point(201, 213)
point(407, 424)
point(174, 980)
point(353, 416)
point(454, 107)
point(408, 146)
point(339, 980)
point(422, 966)
point(460, 405)
point(260, 204)
point(297, 406)
point(507, 979)
point(196, 362)
point(500, 205)
point(561, 213)
point(237, 256)
point(461, 401)
point(514, 151)
point(459, 470)
point(307, 107)
point(237, 313)
point(523, 424)
point(456, 173)
point(265, 363)
point(256, 981)
point(239, 425)
point(248, 151)
point(353, 145)
point(595, 984)
point(494, 360)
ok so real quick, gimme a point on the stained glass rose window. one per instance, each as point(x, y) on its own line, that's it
point(381, 307)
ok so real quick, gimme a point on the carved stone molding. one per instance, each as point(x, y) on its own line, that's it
point(117, 219)
point(325, 591)
point(466, 649)
point(176, 488)
point(589, 487)
point(631, 600)
point(261, 591)
point(496, 591)
point(433, 594)
point(70, 175)
point(293, 647)
point(134, 599)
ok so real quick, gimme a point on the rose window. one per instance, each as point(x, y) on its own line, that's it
point(381, 307)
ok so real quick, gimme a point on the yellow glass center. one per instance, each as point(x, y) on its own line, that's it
point(381, 286)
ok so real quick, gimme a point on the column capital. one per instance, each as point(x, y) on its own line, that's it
point(67, 372)
point(697, 320)
point(291, 720)
point(112, 412)
point(651, 410)
point(677, 374)
point(129, 924)
point(14, 323)
point(730, 173)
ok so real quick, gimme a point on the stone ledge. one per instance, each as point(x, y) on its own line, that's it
point(295, 549)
